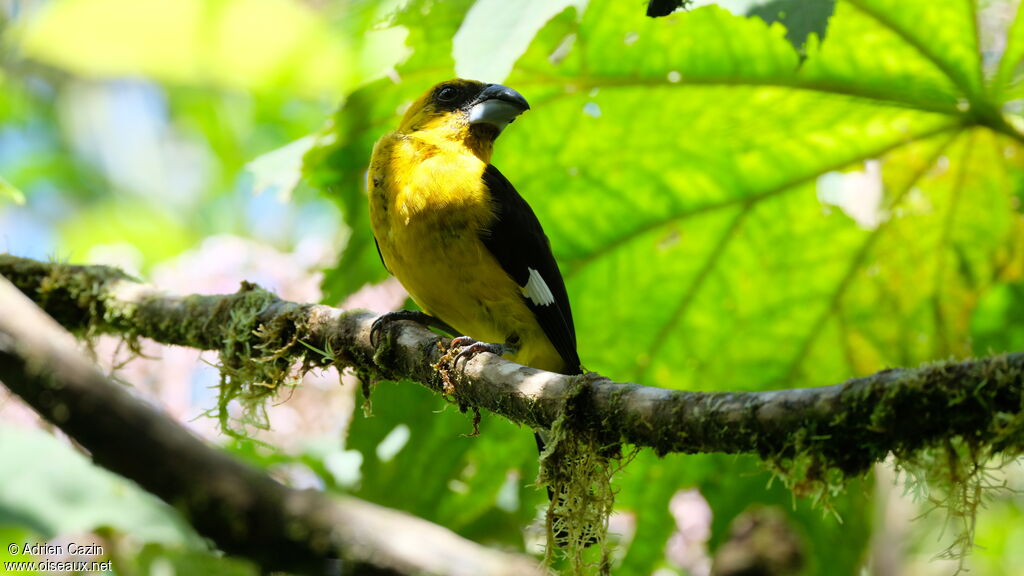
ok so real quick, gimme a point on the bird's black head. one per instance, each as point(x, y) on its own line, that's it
point(484, 108)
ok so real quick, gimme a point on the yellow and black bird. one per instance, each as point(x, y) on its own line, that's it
point(457, 235)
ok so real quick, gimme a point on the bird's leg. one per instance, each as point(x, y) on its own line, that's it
point(470, 348)
point(412, 315)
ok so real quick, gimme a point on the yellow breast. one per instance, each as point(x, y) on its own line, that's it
point(428, 207)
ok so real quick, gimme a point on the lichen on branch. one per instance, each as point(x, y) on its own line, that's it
point(813, 438)
point(847, 426)
point(239, 507)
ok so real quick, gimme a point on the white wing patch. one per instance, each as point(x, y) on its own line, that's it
point(537, 290)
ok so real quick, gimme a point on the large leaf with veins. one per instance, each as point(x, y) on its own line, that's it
point(730, 217)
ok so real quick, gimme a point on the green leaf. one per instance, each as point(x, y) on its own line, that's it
point(732, 485)
point(731, 217)
point(51, 489)
point(737, 177)
point(993, 325)
point(1009, 81)
point(458, 478)
point(155, 558)
point(862, 57)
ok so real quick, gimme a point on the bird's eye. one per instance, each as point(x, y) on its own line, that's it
point(447, 94)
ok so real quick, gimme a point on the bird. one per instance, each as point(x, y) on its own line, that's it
point(457, 235)
point(463, 242)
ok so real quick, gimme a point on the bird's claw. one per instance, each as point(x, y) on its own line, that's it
point(416, 316)
point(383, 320)
point(470, 348)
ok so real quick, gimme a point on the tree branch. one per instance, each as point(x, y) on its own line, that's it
point(242, 509)
point(847, 426)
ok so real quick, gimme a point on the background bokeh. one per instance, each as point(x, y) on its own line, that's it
point(747, 196)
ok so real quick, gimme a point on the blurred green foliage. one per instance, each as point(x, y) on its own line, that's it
point(734, 206)
point(54, 491)
point(787, 222)
point(256, 45)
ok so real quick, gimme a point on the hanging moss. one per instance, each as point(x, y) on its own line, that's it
point(948, 463)
point(576, 466)
point(948, 426)
point(256, 359)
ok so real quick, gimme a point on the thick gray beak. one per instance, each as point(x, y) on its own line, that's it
point(497, 105)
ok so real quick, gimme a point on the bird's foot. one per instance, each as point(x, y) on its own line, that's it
point(468, 348)
point(464, 348)
point(416, 316)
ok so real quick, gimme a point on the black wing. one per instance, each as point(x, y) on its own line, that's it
point(379, 255)
point(518, 242)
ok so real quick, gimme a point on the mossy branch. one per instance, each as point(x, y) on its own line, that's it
point(844, 428)
point(237, 506)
